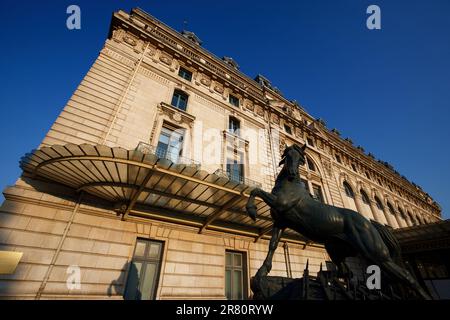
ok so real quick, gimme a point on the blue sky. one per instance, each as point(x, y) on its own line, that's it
point(388, 90)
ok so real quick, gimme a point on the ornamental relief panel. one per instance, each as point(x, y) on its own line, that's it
point(219, 88)
point(249, 105)
point(326, 165)
point(166, 59)
point(120, 35)
point(275, 119)
point(205, 81)
point(259, 111)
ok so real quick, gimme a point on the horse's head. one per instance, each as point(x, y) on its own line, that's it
point(293, 157)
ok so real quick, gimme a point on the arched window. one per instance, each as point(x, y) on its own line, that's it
point(379, 203)
point(364, 197)
point(391, 208)
point(348, 190)
point(310, 164)
point(402, 214)
point(411, 217)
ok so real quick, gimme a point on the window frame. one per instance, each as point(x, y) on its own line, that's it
point(287, 129)
point(180, 93)
point(185, 71)
point(231, 98)
point(145, 260)
point(230, 129)
point(365, 197)
point(320, 198)
point(242, 269)
point(181, 132)
point(348, 190)
point(238, 158)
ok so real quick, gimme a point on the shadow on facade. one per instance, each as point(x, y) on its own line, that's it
point(128, 289)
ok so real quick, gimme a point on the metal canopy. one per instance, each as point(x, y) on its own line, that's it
point(137, 182)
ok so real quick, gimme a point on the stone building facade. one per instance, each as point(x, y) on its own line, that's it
point(138, 189)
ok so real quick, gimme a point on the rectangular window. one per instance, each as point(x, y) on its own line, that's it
point(234, 125)
point(317, 192)
point(235, 165)
point(310, 142)
point(287, 129)
point(233, 100)
point(144, 269)
point(185, 74)
point(235, 275)
point(170, 144)
point(179, 100)
point(338, 158)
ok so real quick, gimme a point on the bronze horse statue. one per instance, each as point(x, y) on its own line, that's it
point(344, 232)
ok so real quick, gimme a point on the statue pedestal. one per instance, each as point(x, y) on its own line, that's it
point(323, 287)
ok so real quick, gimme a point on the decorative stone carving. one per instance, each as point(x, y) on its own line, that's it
point(118, 35)
point(326, 164)
point(298, 132)
point(176, 115)
point(249, 106)
point(259, 111)
point(129, 40)
point(165, 59)
point(205, 81)
point(151, 51)
point(274, 118)
point(219, 88)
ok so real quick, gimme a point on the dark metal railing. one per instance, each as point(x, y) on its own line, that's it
point(238, 178)
point(163, 153)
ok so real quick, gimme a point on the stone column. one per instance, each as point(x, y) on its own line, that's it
point(389, 217)
point(375, 212)
point(401, 223)
point(409, 222)
point(359, 206)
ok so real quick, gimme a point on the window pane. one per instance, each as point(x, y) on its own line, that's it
point(228, 259)
point(148, 280)
point(228, 284)
point(237, 284)
point(237, 260)
point(140, 249)
point(154, 249)
point(143, 271)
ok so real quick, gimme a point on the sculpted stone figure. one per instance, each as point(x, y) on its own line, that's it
point(344, 232)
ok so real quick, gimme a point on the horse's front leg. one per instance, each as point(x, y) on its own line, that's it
point(267, 265)
point(265, 196)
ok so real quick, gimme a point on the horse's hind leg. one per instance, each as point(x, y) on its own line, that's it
point(404, 276)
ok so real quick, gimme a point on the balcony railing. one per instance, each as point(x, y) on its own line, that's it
point(238, 178)
point(164, 154)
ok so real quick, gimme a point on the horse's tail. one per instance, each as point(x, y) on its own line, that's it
point(389, 239)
